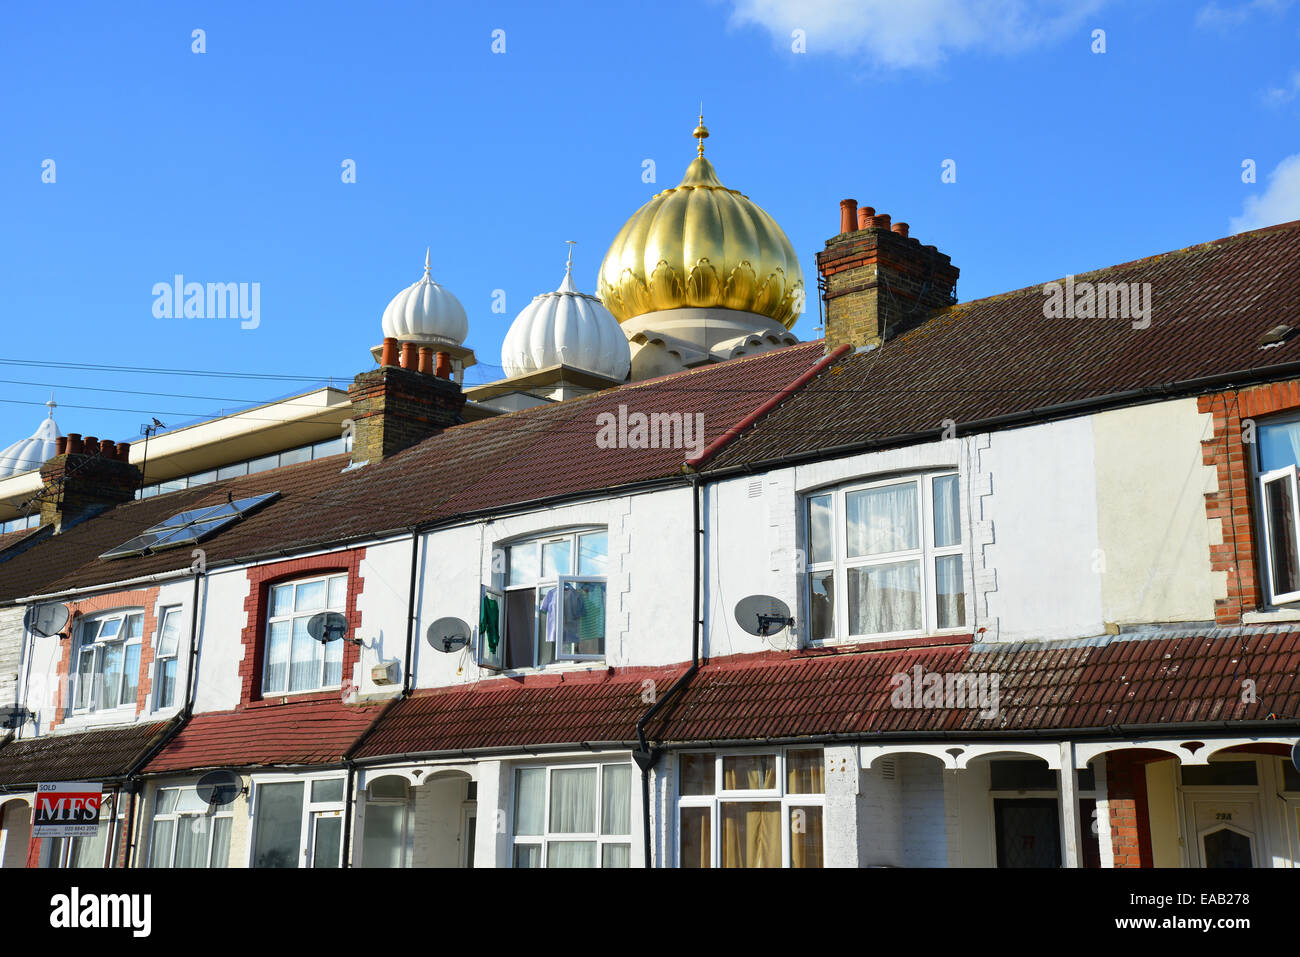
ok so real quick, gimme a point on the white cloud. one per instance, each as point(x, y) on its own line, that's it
point(1214, 15)
point(1280, 95)
point(1279, 203)
point(917, 33)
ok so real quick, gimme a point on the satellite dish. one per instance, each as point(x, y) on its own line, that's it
point(46, 620)
point(1295, 756)
point(219, 788)
point(763, 615)
point(327, 626)
point(447, 634)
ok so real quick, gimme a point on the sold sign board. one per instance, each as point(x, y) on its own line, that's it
point(67, 809)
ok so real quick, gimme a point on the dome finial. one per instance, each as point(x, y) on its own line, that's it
point(52, 405)
point(427, 266)
point(701, 132)
point(568, 267)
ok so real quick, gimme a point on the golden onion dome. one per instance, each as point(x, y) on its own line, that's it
point(702, 245)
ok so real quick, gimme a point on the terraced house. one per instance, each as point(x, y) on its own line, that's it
point(961, 584)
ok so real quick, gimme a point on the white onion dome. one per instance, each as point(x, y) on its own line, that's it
point(28, 454)
point(426, 312)
point(569, 327)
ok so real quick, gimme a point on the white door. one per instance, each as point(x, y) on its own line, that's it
point(1223, 829)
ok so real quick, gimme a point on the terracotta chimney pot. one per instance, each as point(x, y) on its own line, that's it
point(848, 215)
point(410, 354)
point(61, 445)
point(864, 216)
point(388, 357)
point(426, 360)
point(443, 369)
point(74, 442)
point(901, 229)
point(124, 451)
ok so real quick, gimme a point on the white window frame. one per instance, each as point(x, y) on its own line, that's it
point(407, 804)
point(1287, 473)
point(272, 618)
point(548, 837)
point(311, 811)
point(160, 660)
point(95, 648)
point(177, 818)
point(777, 795)
point(502, 590)
point(927, 554)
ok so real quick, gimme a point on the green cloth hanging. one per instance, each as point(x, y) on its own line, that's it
point(489, 622)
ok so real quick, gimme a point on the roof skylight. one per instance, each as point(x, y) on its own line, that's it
point(189, 526)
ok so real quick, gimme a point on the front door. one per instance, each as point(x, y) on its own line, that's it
point(1223, 830)
point(1028, 832)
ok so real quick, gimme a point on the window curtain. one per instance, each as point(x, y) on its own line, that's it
point(806, 837)
point(947, 511)
point(160, 844)
point(749, 772)
point(885, 598)
point(382, 843)
point(882, 520)
point(571, 854)
point(950, 597)
point(616, 801)
point(696, 837)
point(751, 834)
point(1279, 446)
point(573, 801)
point(192, 840)
point(530, 800)
point(805, 773)
point(221, 842)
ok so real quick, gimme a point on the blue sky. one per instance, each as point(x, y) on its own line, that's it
point(226, 166)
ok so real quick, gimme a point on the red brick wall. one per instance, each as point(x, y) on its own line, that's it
point(261, 578)
point(1234, 503)
point(145, 598)
point(1126, 795)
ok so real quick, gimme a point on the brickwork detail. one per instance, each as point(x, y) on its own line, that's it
point(394, 409)
point(879, 284)
point(1126, 791)
point(261, 578)
point(1233, 504)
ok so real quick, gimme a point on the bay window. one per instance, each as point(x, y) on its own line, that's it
point(762, 809)
point(1278, 506)
point(552, 603)
point(885, 558)
point(294, 660)
point(298, 823)
point(573, 816)
point(187, 832)
point(108, 662)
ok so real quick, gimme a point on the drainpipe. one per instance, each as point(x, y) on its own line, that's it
point(347, 814)
point(645, 756)
point(408, 680)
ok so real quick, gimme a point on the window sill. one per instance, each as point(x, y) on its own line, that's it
point(831, 645)
point(555, 667)
point(1276, 614)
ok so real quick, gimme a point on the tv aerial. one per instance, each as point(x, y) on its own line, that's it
point(447, 635)
point(329, 626)
point(219, 788)
point(46, 620)
point(763, 616)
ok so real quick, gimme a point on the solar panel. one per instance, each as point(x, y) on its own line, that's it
point(188, 527)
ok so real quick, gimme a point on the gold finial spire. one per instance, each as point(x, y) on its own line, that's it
point(701, 132)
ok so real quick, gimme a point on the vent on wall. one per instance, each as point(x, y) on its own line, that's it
point(887, 769)
point(756, 488)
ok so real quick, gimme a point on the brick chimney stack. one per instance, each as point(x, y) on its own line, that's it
point(877, 281)
point(85, 479)
point(395, 407)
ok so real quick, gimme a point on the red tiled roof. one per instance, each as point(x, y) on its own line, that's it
point(584, 707)
point(297, 733)
point(83, 756)
point(1000, 356)
point(1099, 683)
point(540, 453)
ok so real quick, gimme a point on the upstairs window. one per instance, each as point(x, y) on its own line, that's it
point(552, 607)
point(295, 661)
point(165, 654)
point(1278, 506)
point(885, 558)
point(108, 662)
